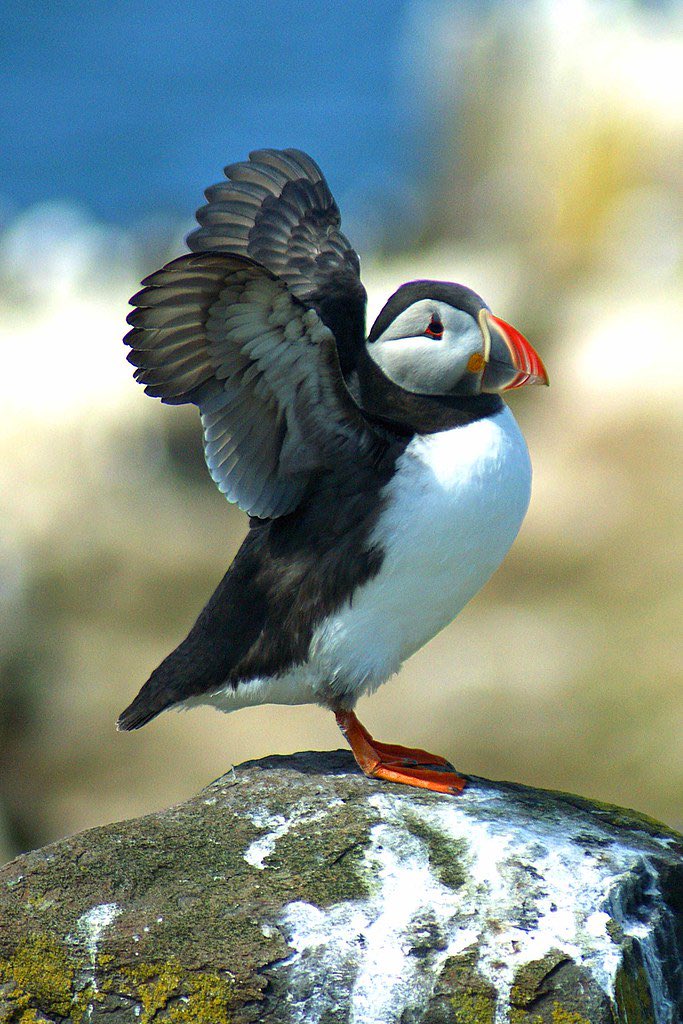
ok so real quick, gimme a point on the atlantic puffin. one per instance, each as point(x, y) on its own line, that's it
point(383, 475)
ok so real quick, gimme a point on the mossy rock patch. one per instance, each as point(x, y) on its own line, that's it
point(295, 888)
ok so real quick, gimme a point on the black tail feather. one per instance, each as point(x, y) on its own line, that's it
point(141, 711)
point(180, 675)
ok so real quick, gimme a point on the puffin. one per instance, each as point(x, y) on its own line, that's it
point(384, 476)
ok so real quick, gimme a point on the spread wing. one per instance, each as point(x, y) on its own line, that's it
point(277, 209)
point(223, 332)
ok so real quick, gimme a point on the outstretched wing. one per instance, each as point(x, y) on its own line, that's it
point(277, 209)
point(224, 333)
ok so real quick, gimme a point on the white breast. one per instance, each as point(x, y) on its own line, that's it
point(452, 510)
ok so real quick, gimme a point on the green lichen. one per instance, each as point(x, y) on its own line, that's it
point(632, 996)
point(445, 853)
point(473, 1008)
point(622, 817)
point(532, 990)
point(329, 856)
point(529, 981)
point(471, 997)
point(558, 1015)
point(168, 992)
point(625, 816)
point(42, 974)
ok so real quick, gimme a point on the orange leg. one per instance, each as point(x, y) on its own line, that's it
point(405, 757)
point(380, 760)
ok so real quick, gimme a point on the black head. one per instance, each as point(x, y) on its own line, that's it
point(439, 338)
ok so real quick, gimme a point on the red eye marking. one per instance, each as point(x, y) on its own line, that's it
point(435, 329)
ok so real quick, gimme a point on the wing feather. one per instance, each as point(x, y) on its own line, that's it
point(221, 331)
point(277, 209)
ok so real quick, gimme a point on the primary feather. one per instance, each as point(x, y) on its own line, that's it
point(223, 332)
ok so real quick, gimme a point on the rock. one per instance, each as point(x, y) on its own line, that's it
point(295, 889)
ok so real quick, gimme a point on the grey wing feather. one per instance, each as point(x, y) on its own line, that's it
point(223, 332)
point(277, 209)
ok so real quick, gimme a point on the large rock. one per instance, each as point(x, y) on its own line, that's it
point(294, 889)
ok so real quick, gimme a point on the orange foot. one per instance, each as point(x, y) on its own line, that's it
point(393, 754)
point(394, 763)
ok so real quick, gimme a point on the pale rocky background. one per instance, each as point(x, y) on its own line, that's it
point(552, 183)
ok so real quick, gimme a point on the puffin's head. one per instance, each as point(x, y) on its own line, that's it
point(437, 338)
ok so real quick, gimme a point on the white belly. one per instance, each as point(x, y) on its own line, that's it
point(452, 511)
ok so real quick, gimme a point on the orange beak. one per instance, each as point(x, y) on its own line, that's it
point(512, 361)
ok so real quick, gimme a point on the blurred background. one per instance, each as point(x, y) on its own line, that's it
point(533, 151)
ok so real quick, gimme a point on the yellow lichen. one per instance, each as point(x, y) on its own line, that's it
point(179, 996)
point(562, 1016)
point(207, 1003)
point(43, 975)
point(83, 1001)
point(154, 985)
point(520, 1016)
point(472, 1008)
point(530, 979)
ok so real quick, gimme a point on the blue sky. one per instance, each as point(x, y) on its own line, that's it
point(126, 107)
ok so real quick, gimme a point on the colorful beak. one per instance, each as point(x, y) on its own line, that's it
point(512, 362)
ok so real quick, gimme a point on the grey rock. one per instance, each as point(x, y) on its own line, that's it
point(294, 889)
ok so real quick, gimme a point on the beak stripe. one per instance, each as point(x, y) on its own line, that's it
point(527, 362)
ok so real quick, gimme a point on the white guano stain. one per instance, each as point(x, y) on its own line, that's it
point(89, 929)
point(91, 925)
point(527, 890)
point(260, 848)
point(278, 825)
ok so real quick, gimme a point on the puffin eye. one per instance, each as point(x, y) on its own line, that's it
point(435, 329)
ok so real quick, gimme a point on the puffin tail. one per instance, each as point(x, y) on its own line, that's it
point(178, 676)
point(149, 703)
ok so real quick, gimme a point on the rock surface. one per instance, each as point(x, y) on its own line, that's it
point(294, 889)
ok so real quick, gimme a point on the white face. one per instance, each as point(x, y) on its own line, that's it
point(432, 348)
